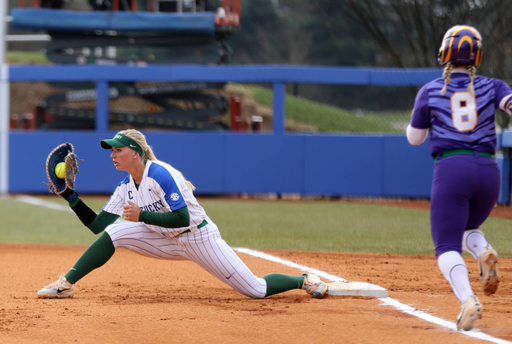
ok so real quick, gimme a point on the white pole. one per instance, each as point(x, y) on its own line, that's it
point(4, 104)
point(29, 38)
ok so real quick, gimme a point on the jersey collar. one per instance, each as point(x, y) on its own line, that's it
point(460, 70)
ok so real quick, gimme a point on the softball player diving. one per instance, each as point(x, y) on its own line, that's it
point(458, 109)
point(164, 221)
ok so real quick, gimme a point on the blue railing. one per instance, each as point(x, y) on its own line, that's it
point(226, 162)
point(277, 75)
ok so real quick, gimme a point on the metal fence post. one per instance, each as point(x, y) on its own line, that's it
point(102, 97)
point(279, 95)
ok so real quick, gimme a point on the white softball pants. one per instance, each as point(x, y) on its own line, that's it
point(204, 246)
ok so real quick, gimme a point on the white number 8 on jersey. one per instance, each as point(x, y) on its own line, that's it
point(464, 115)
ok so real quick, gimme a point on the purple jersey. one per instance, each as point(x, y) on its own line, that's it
point(458, 119)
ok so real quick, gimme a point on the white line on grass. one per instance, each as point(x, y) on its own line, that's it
point(51, 205)
point(386, 300)
point(37, 201)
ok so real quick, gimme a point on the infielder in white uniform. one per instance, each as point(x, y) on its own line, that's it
point(164, 221)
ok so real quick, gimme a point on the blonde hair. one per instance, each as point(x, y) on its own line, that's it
point(472, 73)
point(447, 77)
point(148, 154)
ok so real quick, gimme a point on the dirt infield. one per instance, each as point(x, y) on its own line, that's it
point(133, 299)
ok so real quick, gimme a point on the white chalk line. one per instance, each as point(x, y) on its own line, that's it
point(39, 202)
point(290, 264)
point(386, 300)
point(49, 204)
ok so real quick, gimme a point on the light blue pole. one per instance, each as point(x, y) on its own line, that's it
point(279, 94)
point(102, 105)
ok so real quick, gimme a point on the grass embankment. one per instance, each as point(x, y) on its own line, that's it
point(328, 118)
point(26, 57)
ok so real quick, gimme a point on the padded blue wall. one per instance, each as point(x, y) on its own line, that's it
point(344, 165)
point(229, 163)
point(219, 163)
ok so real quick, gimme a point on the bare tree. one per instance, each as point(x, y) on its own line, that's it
point(409, 32)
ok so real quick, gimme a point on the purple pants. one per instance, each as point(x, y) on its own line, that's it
point(464, 191)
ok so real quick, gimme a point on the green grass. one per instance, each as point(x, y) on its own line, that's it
point(322, 226)
point(25, 223)
point(329, 118)
point(26, 57)
point(283, 225)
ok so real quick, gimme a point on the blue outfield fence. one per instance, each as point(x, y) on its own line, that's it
point(229, 162)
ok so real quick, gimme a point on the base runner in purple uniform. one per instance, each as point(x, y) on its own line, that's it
point(458, 109)
point(164, 220)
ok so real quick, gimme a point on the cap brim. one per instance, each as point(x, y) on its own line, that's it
point(109, 143)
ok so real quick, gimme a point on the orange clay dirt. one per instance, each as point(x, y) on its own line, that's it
point(133, 299)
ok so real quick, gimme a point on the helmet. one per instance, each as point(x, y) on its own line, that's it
point(461, 44)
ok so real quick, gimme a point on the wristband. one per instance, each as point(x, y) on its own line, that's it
point(72, 197)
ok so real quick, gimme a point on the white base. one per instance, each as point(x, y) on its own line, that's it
point(356, 289)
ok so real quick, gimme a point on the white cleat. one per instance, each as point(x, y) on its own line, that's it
point(488, 270)
point(471, 310)
point(57, 290)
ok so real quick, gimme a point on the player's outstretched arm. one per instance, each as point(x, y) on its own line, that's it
point(95, 222)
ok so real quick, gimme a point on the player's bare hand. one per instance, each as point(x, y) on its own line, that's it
point(131, 212)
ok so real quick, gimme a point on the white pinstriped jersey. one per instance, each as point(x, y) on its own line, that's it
point(162, 189)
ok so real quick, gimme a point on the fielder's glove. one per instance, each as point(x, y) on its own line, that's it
point(62, 187)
